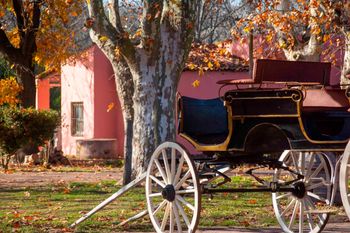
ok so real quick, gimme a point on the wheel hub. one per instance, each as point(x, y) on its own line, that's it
point(169, 193)
point(299, 189)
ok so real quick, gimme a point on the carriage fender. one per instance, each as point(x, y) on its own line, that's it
point(266, 138)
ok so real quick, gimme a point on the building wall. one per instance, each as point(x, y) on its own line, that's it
point(108, 120)
point(77, 85)
point(43, 94)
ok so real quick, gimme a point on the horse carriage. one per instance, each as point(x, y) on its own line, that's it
point(287, 118)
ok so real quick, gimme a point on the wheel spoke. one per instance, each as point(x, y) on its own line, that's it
point(290, 205)
point(183, 179)
point(155, 194)
point(294, 214)
point(295, 163)
point(173, 165)
point(161, 170)
point(318, 197)
point(183, 201)
point(165, 217)
point(316, 185)
point(301, 217)
point(164, 202)
point(311, 164)
point(179, 169)
point(308, 215)
point(185, 191)
point(172, 223)
point(318, 169)
point(182, 212)
point(313, 207)
point(166, 165)
point(155, 179)
point(177, 217)
point(302, 161)
point(284, 195)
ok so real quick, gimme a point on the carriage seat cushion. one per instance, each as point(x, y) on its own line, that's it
point(204, 118)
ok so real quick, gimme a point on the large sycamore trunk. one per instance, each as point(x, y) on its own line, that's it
point(154, 121)
point(345, 76)
point(154, 61)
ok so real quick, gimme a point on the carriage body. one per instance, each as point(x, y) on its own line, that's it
point(302, 112)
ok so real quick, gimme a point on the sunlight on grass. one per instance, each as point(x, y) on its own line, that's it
point(50, 209)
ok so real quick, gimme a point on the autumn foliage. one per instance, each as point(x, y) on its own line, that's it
point(9, 91)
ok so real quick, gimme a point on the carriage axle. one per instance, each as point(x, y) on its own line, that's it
point(250, 190)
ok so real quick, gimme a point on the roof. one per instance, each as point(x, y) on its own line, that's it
point(214, 57)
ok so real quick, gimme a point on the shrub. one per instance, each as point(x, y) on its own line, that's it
point(21, 127)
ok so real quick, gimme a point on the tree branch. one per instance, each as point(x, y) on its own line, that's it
point(114, 17)
point(104, 29)
point(151, 18)
point(29, 42)
point(18, 8)
point(6, 48)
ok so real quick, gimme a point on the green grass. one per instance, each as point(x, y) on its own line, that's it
point(53, 209)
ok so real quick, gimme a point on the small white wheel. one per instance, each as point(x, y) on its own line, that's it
point(172, 190)
point(306, 208)
point(344, 176)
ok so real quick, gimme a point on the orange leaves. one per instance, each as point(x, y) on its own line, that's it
point(196, 83)
point(110, 106)
point(210, 57)
point(9, 91)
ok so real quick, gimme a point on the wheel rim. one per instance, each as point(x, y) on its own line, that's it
point(304, 209)
point(344, 180)
point(172, 190)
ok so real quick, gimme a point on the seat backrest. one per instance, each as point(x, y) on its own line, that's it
point(291, 71)
point(203, 117)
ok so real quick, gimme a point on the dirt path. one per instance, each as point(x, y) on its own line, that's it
point(36, 179)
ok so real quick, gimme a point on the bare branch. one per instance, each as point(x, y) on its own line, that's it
point(6, 48)
point(114, 16)
point(104, 29)
point(18, 8)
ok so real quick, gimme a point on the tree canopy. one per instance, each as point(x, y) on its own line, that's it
point(36, 36)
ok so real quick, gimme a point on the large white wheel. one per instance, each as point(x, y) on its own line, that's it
point(344, 175)
point(306, 208)
point(172, 190)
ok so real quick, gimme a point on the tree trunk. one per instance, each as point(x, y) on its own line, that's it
point(154, 120)
point(345, 75)
point(26, 78)
point(308, 52)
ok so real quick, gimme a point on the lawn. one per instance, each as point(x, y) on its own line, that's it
point(53, 209)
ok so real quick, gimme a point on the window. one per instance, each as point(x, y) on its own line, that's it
point(77, 127)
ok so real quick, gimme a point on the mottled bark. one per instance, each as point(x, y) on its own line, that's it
point(345, 75)
point(309, 50)
point(154, 65)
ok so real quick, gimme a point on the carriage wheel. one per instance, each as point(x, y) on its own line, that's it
point(344, 176)
point(306, 208)
point(172, 190)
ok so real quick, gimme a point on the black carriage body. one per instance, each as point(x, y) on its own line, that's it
point(257, 121)
point(270, 121)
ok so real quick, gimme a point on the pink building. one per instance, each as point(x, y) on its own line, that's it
point(88, 90)
point(92, 125)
